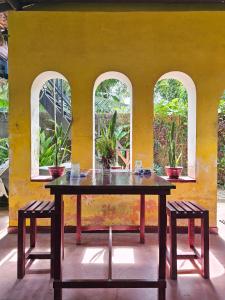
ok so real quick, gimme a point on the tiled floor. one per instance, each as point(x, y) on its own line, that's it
point(130, 260)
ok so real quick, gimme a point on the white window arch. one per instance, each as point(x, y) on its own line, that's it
point(36, 88)
point(125, 80)
point(190, 87)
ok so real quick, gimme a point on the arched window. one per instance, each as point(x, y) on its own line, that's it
point(113, 92)
point(51, 119)
point(175, 101)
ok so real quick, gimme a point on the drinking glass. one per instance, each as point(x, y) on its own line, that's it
point(137, 166)
point(75, 170)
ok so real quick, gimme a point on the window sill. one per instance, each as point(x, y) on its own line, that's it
point(182, 179)
point(41, 178)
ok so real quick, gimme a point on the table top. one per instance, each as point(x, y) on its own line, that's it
point(113, 183)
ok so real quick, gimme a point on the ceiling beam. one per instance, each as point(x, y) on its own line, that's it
point(4, 7)
point(14, 4)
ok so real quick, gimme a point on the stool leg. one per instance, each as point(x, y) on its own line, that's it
point(191, 232)
point(173, 247)
point(21, 246)
point(205, 245)
point(33, 232)
point(52, 246)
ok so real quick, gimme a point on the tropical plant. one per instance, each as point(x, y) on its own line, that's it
point(122, 133)
point(54, 146)
point(61, 144)
point(106, 143)
point(172, 150)
point(4, 150)
point(47, 149)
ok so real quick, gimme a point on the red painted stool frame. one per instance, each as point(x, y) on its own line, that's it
point(191, 211)
point(33, 211)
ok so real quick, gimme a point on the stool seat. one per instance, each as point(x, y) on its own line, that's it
point(38, 209)
point(34, 210)
point(191, 211)
point(185, 209)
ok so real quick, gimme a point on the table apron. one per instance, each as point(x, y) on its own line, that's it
point(119, 192)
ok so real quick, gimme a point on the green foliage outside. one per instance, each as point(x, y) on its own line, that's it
point(55, 142)
point(112, 95)
point(170, 107)
point(55, 146)
point(4, 107)
point(173, 158)
point(106, 143)
point(47, 149)
point(4, 96)
point(4, 150)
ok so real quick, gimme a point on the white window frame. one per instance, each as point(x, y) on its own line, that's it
point(188, 83)
point(122, 77)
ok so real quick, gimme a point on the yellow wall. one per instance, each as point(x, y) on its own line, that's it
point(141, 44)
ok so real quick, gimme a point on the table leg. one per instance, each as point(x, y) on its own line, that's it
point(142, 219)
point(57, 269)
point(78, 231)
point(110, 254)
point(205, 245)
point(21, 245)
point(162, 223)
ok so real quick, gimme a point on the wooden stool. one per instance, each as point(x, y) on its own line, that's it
point(34, 210)
point(191, 211)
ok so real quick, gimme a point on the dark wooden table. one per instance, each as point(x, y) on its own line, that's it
point(118, 183)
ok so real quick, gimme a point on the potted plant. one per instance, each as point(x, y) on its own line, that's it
point(106, 144)
point(173, 171)
point(60, 145)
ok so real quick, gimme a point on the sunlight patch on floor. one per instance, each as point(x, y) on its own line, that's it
point(123, 255)
point(221, 217)
point(3, 233)
point(93, 256)
point(185, 267)
point(216, 268)
point(11, 256)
